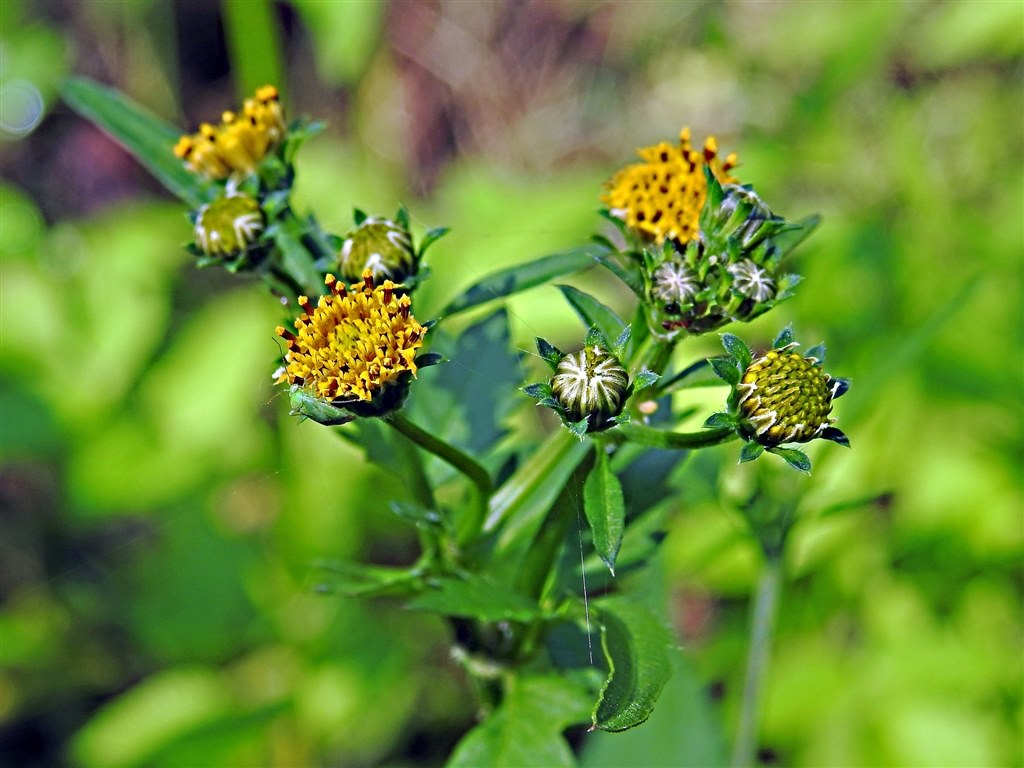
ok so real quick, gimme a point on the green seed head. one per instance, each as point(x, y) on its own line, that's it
point(785, 398)
point(590, 384)
point(228, 225)
point(380, 245)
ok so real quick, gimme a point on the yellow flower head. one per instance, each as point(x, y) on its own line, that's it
point(236, 145)
point(661, 198)
point(353, 344)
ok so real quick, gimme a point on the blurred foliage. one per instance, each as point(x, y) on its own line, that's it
point(162, 519)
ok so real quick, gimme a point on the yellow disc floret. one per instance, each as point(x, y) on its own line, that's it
point(354, 343)
point(236, 145)
point(661, 198)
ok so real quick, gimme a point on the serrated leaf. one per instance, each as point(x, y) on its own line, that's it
point(148, 138)
point(526, 730)
point(619, 347)
point(539, 390)
point(605, 509)
point(725, 368)
point(796, 458)
point(739, 350)
point(750, 452)
point(644, 379)
point(548, 352)
point(477, 598)
point(636, 646)
point(594, 336)
point(578, 428)
point(594, 314)
point(520, 277)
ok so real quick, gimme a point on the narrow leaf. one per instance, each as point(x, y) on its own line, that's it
point(520, 277)
point(627, 271)
point(431, 237)
point(477, 598)
point(796, 233)
point(637, 647)
point(605, 508)
point(148, 138)
point(784, 339)
point(716, 420)
point(548, 352)
point(538, 390)
point(357, 580)
point(594, 314)
point(418, 515)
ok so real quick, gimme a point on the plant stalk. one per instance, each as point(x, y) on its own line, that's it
point(762, 630)
point(470, 528)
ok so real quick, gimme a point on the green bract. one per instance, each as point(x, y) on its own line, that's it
point(779, 398)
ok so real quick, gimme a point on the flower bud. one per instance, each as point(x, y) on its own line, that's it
point(380, 245)
point(590, 384)
point(785, 398)
point(228, 225)
point(742, 215)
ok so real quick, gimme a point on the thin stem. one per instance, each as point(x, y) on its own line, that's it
point(452, 456)
point(656, 438)
point(762, 629)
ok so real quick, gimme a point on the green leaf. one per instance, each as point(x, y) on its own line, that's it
point(578, 428)
point(297, 261)
point(477, 598)
point(526, 730)
point(148, 138)
point(507, 282)
point(817, 352)
point(796, 458)
point(725, 368)
point(736, 347)
point(785, 338)
point(644, 379)
point(548, 352)
point(628, 271)
point(835, 435)
point(795, 233)
point(431, 237)
point(358, 580)
point(417, 514)
point(716, 420)
point(605, 508)
point(637, 646)
point(750, 452)
point(538, 391)
point(594, 314)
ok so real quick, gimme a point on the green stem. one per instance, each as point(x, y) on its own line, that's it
point(656, 438)
point(762, 628)
point(470, 528)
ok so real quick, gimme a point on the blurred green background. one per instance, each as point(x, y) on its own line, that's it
point(162, 517)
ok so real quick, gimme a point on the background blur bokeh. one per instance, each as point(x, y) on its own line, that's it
point(162, 517)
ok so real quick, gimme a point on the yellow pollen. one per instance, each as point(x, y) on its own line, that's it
point(353, 343)
point(661, 198)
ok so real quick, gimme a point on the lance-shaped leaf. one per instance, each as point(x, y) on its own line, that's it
point(796, 458)
point(605, 509)
point(358, 580)
point(594, 314)
point(520, 277)
point(148, 138)
point(637, 647)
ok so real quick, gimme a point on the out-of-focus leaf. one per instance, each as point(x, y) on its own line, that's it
point(357, 580)
point(250, 30)
point(346, 37)
point(594, 314)
point(605, 509)
point(509, 281)
point(148, 138)
point(526, 730)
point(477, 598)
point(637, 647)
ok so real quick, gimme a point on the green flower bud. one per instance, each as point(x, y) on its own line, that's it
point(380, 245)
point(785, 398)
point(742, 215)
point(752, 281)
point(590, 384)
point(229, 225)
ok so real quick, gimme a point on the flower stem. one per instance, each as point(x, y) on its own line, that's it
point(762, 629)
point(451, 455)
point(656, 438)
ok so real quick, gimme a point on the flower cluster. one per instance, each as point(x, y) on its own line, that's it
point(236, 146)
point(661, 198)
point(355, 350)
